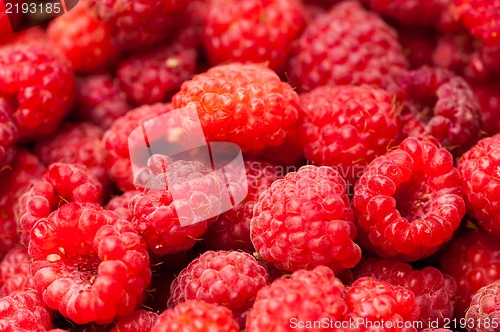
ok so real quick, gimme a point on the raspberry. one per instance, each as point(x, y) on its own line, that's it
point(61, 183)
point(305, 296)
point(409, 201)
point(366, 51)
point(8, 132)
point(231, 230)
point(489, 100)
point(100, 100)
point(156, 75)
point(24, 312)
point(482, 18)
point(116, 142)
point(418, 46)
point(484, 309)
point(346, 127)
point(121, 204)
point(41, 85)
point(83, 39)
point(444, 105)
point(138, 321)
point(434, 292)
point(252, 31)
point(90, 152)
point(88, 263)
point(228, 278)
point(473, 260)
point(479, 174)
point(15, 276)
point(244, 104)
point(305, 220)
point(196, 316)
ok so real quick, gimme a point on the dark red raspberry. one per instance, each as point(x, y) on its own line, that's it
point(305, 220)
point(116, 142)
point(487, 94)
point(409, 201)
point(15, 276)
point(156, 75)
point(481, 17)
point(418, 46)
point(88, 263)
point(480, 176)
point(445, 107)
point(473, 260)
point(228, 278)
point(196, 316)
point(121, 204)
point(88, 149)
point(100, 100)
point(252, 31)
point(40, 84)
point(434, 292)
point(83, 39)
point(366, 51)
point(24, 312)
point(483, 314)
point(138, 321)
point(231, 230)
point(61, 183)
point(304, 296)
point(346, 127)
point(244, 104)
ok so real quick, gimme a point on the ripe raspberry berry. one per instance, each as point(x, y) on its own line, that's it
point(196, 316)
point(481, 17)
point(89, 151)
point(473, 260)
point(138, 321)
point(366, 51)
point(480, 177)
point(346, 127)
point(231, 230)
point(83, 39)
point(445, 107)
point(245, 104)
point(434, 292)
point(489, 100)
point(121, 204)
point(15, 276)
point(24, 312)
point(305, 296)
point(409, 201)
point(40, 83)
point(61, 183)
point(484, 310)
point(252, 31)
point(228, 278)
point(305, 220)
point(418, 46)
point(88, 263)
point(100, 100)
point(116, 142)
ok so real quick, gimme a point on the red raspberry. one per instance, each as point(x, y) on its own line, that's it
point(346, 127)
point(100, 100)
point(138, 321)
point(15, 276)
point(61, 184)
point(83, 39)
point(409, 201)
point(434, 292)
point(445, 107)
point(35, 35)
point(418, 46)
point(89, 151)
point(40, 83)
point(305, 220)
point(487, 94)
point(473, 260)
point(244, 104)
point(8, 132)
point(305, 296)
point(252, 31)
point(196, 316)
point(228, 278)
point(482, 18)
point(479, 173)
point(88, 263)
point(116, 142)
point(366, 50)
point(24, 312)
point(121, 204)
point(483, 314)
point(231, 230)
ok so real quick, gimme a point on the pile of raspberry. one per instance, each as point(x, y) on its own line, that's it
point(251, 165)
